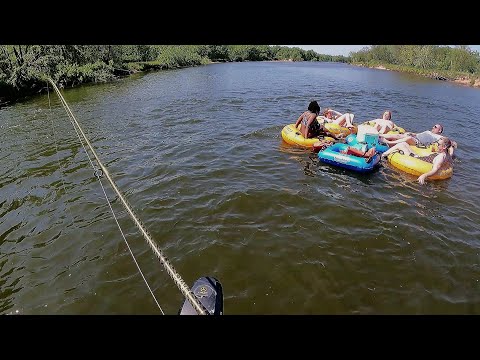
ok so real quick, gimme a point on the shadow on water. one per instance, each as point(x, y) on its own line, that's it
point(313, 167)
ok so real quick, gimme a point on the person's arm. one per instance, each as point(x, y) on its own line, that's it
point(437, 162)
point(336, 112)
point(452, 148)
point(383, 129)
point(298, 121)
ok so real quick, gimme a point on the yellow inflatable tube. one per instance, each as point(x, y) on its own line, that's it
point(336, 129)
point(293, 136)
point(417, 166)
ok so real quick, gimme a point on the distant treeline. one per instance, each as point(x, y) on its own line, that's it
point(450, 61)
point(23, 67)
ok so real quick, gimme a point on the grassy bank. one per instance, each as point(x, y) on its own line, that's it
point(460, 77)
point(458, 63)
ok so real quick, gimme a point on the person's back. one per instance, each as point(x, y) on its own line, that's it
point(309, 126)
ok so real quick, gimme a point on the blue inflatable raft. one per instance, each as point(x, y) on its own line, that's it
point(333, 156)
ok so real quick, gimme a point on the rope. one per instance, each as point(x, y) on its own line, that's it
point(197, 305)
point(96, 173)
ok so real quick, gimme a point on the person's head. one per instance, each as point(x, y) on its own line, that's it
point(314, 107)
point(444, 144)
point(327, 113)
point(437, 129)
point(387, 115)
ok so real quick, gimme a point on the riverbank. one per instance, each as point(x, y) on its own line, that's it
point(456, 77)
point(11, 95)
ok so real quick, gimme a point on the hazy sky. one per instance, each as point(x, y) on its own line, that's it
point(345, 49)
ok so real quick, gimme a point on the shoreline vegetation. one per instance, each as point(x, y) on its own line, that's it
point(457, 64)
point(459, 78)
point(23, 68)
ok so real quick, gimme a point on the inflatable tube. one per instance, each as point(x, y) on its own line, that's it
point(336, 129)
point(417, 167)
point(293, 136)
point(397, 130)
point(333, 156)
point(352, 141)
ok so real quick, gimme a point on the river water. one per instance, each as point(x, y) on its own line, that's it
point(198, 154)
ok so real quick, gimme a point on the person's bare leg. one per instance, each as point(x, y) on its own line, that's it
point(400, 146)
point(392, 136)
point(349, 120)
point(409, 140)
point(340, 121)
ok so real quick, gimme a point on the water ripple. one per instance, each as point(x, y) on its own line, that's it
point(198, 154)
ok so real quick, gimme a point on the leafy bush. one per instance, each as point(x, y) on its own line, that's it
point(73, 74)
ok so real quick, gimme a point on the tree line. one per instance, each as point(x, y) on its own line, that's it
point(451, 61)
point(23, 67)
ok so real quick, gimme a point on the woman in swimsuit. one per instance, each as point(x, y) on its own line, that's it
point(310, 127)
point(385, 124)
point(332, 116)
point(440, 159)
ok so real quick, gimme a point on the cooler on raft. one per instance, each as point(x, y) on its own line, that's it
point(368, 136)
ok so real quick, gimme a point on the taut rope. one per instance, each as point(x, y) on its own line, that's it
point(197, 305)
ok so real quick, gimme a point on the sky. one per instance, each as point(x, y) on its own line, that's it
point(345, 49)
